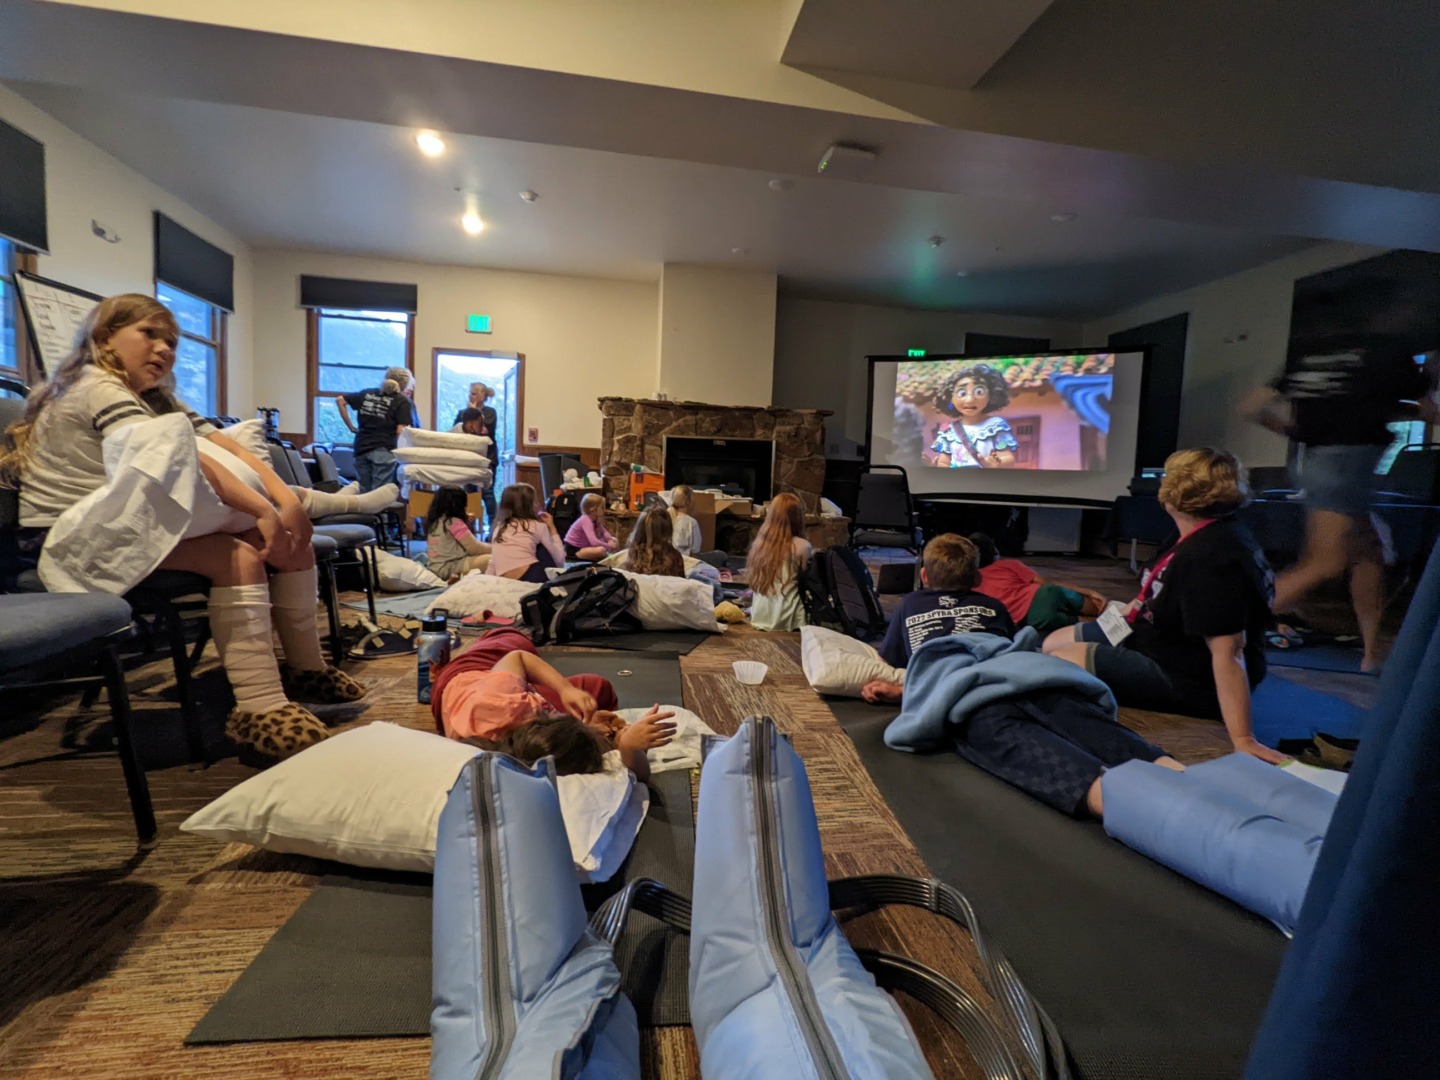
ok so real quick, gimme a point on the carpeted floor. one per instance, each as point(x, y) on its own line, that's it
point(107, 960)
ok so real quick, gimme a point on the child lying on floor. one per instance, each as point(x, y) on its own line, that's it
point(495, 691)
point(1029, 598)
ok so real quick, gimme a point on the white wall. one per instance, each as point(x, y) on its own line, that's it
point(821, 345)
point(1238, 333)
point(84, 183)
point(717, 335)
point(582, 338)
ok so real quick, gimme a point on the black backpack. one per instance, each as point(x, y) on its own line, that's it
point(838, 593)
point(589, 602)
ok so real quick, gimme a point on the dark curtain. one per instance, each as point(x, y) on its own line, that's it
point(1360, 986)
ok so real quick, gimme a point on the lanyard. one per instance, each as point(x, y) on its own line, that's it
point(1148, 582)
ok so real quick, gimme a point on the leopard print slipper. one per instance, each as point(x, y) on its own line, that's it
point(328, 687)
point(277, 733)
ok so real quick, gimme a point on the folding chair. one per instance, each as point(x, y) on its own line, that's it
point(884, 512)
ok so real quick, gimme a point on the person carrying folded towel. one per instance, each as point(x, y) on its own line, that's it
point(263, 578)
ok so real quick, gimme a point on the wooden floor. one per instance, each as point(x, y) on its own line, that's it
point(108, 959)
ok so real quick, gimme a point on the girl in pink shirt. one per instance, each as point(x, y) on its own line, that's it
point(452, 547)
point(525, 541)
point(588, 539)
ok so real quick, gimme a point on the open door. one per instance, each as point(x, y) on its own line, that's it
point(456, 369)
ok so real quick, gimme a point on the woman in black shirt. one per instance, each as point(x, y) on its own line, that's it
point(1196, 633)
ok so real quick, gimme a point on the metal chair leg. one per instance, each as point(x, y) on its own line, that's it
point(180, 657)
point(329, 595)
point(370, 568)
point(135, 783)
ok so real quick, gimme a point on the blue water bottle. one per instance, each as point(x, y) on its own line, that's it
point(433, 653)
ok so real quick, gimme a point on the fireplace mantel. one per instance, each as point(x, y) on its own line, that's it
point(633, 432)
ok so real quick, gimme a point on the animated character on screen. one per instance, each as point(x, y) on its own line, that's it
point(975, 439)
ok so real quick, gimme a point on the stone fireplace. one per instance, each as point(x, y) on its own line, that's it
point(633, 431)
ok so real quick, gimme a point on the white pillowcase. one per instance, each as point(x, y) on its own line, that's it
point(439, 475)
point(683, 751)
point(440, 455)
point(838, 664)
point(478, 592)
point(251, 435)
point(372, 797)
point(674, 603)
point(445, 440)
point(399, 574)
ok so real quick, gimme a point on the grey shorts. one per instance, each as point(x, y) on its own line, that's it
point(1340, 479)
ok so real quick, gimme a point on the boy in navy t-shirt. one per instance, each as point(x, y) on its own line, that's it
point(946, 605)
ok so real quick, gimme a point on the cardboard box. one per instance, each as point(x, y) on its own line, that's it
point(702, 509)
point(419, 506)
point(642, 484)
point(725, 504)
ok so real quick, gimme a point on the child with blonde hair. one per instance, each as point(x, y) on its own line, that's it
point(262, 579)
point(587, 538)
point(777, 555)
point(687, 529)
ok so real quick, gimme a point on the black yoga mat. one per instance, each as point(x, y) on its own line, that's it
point(354, 960)
point(639, 680)
point(659, 642)
point(1145, 973)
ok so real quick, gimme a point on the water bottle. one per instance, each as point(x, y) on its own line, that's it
point(433, 653)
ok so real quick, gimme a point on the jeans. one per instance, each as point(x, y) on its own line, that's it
point(375, 468)
point(487, 497)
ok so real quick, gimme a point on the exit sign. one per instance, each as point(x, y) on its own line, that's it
point(477, 324)
point(908, 352)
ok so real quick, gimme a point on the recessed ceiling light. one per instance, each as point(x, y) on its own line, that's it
point(530, 196)
point(780, 183)
point(740, 251)
point(472, 223)
point(1061, 219)
point(430, 144)
point(962, 273)
point(936, 240)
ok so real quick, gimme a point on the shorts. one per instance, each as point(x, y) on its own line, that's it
point(1340, 479)
point(1136, 681)
point(1053, 608)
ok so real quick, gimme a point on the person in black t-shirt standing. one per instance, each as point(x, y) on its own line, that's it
point(1196, 633)
point(383, 413)
point(949, 572)
point(1334, 399)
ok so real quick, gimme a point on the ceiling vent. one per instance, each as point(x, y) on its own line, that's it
point(846, 160)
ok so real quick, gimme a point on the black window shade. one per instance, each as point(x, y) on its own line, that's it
point(329, 292)
point(22, 189)
point(193, 265)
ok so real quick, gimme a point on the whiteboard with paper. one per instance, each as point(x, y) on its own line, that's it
point(53, 314)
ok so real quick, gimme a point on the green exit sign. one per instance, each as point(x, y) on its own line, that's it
point(911, 352)
point(477, 324)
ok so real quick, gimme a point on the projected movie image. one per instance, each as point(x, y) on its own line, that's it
point(1022, 412)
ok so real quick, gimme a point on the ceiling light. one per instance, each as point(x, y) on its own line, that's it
point(739, 251)
point(431, 145)
point(472, 223)
point(1061, 219)
point(529, 196)
point(780, 184)
point(962, 273)
point(936, 240)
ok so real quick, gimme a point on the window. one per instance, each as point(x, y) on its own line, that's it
point(200, 354)
point(1405, 433)
point(349, 351)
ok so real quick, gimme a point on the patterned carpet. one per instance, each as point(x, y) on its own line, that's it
point(108, 959)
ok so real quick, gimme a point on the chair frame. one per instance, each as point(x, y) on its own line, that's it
point(912, 531)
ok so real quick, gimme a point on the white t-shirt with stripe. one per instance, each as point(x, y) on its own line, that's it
point(67, 461)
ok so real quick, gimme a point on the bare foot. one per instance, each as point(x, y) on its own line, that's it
point(880, 692)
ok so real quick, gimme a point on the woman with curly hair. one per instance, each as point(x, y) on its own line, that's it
point(974, 439)
point(1194, 641)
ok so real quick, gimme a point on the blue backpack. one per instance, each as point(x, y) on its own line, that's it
point(522, 988)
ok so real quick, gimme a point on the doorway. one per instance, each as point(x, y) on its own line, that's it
point(456, 369)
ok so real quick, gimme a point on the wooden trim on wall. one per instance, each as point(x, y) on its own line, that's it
point(312, 365)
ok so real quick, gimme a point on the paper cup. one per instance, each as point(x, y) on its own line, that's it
point(750, 672)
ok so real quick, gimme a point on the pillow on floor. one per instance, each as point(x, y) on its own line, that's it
point(372, 796)
point(838, 664)
point(399, 574)
point(673, 603)
point(476, 593)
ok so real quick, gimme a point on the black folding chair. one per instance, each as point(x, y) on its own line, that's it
point(884, 511)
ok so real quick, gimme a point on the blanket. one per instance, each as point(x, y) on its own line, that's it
point(950, 677)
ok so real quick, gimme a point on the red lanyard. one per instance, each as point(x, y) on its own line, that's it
point(1147, 583)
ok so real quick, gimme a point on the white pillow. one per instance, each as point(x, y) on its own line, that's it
point(399, 574)
point(675, 603)
point(438, 455)
point(372, 797)
point(838, 664)
point(439, 475)
point(251, 435)
point(476, 592)
point(444, 440)
point(683, 751)
point(367, 797)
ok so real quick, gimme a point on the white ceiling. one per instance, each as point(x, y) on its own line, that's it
point(287, 180)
